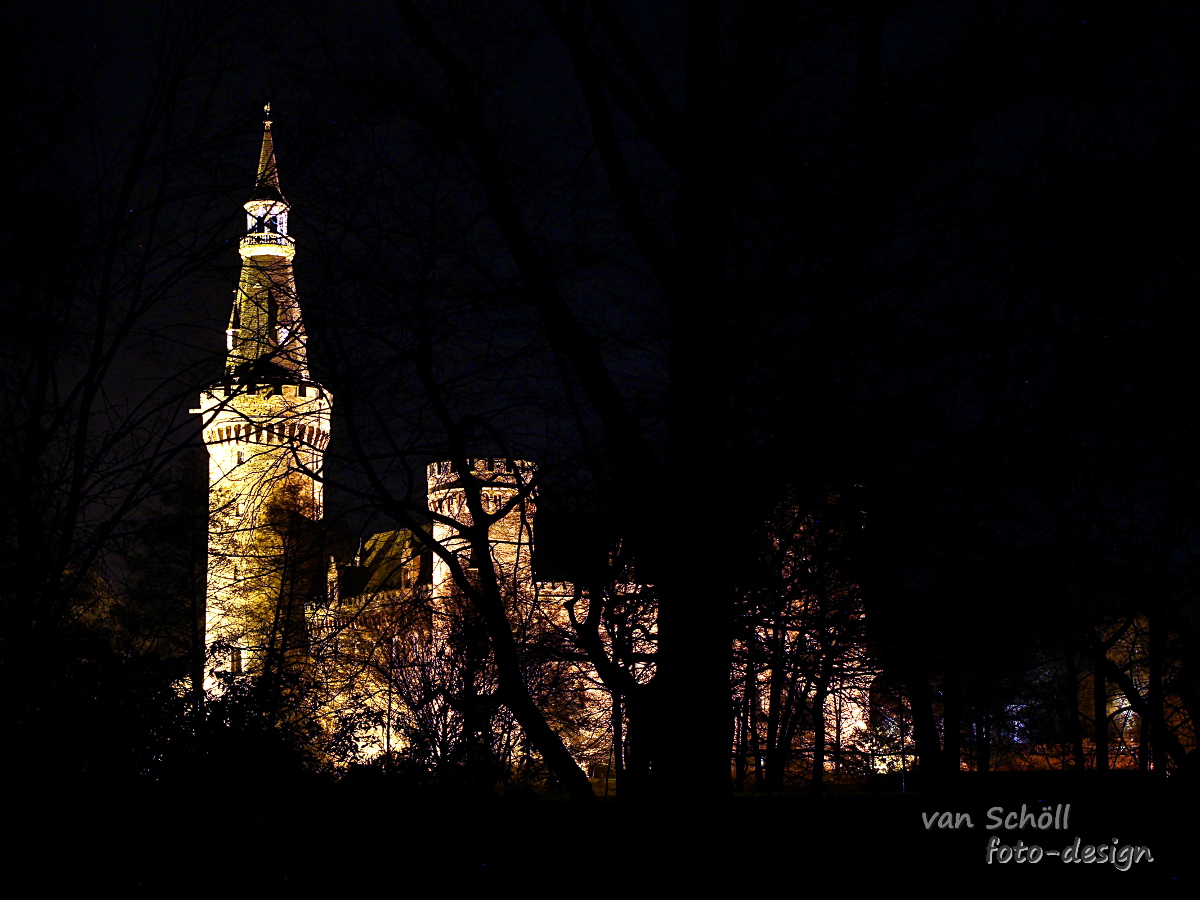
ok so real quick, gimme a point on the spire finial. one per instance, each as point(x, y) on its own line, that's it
point(267, 182)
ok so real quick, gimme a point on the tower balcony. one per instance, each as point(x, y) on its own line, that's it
point(267, 243)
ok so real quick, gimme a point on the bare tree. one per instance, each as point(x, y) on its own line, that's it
point(110, 226)
point(801, 669)
point(705, 229)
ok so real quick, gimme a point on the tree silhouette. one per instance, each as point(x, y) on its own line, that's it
point(108, 228)
point(741, 241)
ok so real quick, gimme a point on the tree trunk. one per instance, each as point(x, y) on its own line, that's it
point(1074, 725)
point(1154, 694)
point(1100, 707)
point(818, 761)
point(925, 732)
point(952, 720)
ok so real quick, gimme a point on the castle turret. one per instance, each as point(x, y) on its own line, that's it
point(266, 426)
point(510, 536)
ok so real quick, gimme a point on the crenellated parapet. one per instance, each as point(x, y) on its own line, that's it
point(267, 414)
point(495, 471)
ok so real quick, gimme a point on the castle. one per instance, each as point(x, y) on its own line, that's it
point(392, 638)
point(266, 426)
point(389, 644)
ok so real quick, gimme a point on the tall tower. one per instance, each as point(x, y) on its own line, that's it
point(266, 425)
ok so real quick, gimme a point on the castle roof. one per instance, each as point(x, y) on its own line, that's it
point(266, 185)
point(381, 563)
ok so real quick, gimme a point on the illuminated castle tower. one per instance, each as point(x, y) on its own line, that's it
point(266, 425)
point(510, 536)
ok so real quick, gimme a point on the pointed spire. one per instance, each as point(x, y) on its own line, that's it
point(266, 186)
point(266, 333)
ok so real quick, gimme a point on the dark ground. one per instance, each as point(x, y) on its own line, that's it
point(374, 835)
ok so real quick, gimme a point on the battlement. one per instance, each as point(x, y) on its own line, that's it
point(496, 472)
point(280, 392)
point(267, 414)
point(268, 433)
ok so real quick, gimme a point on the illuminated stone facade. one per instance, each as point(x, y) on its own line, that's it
point(266, 426)
point(504, 485)
point(394, 650)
